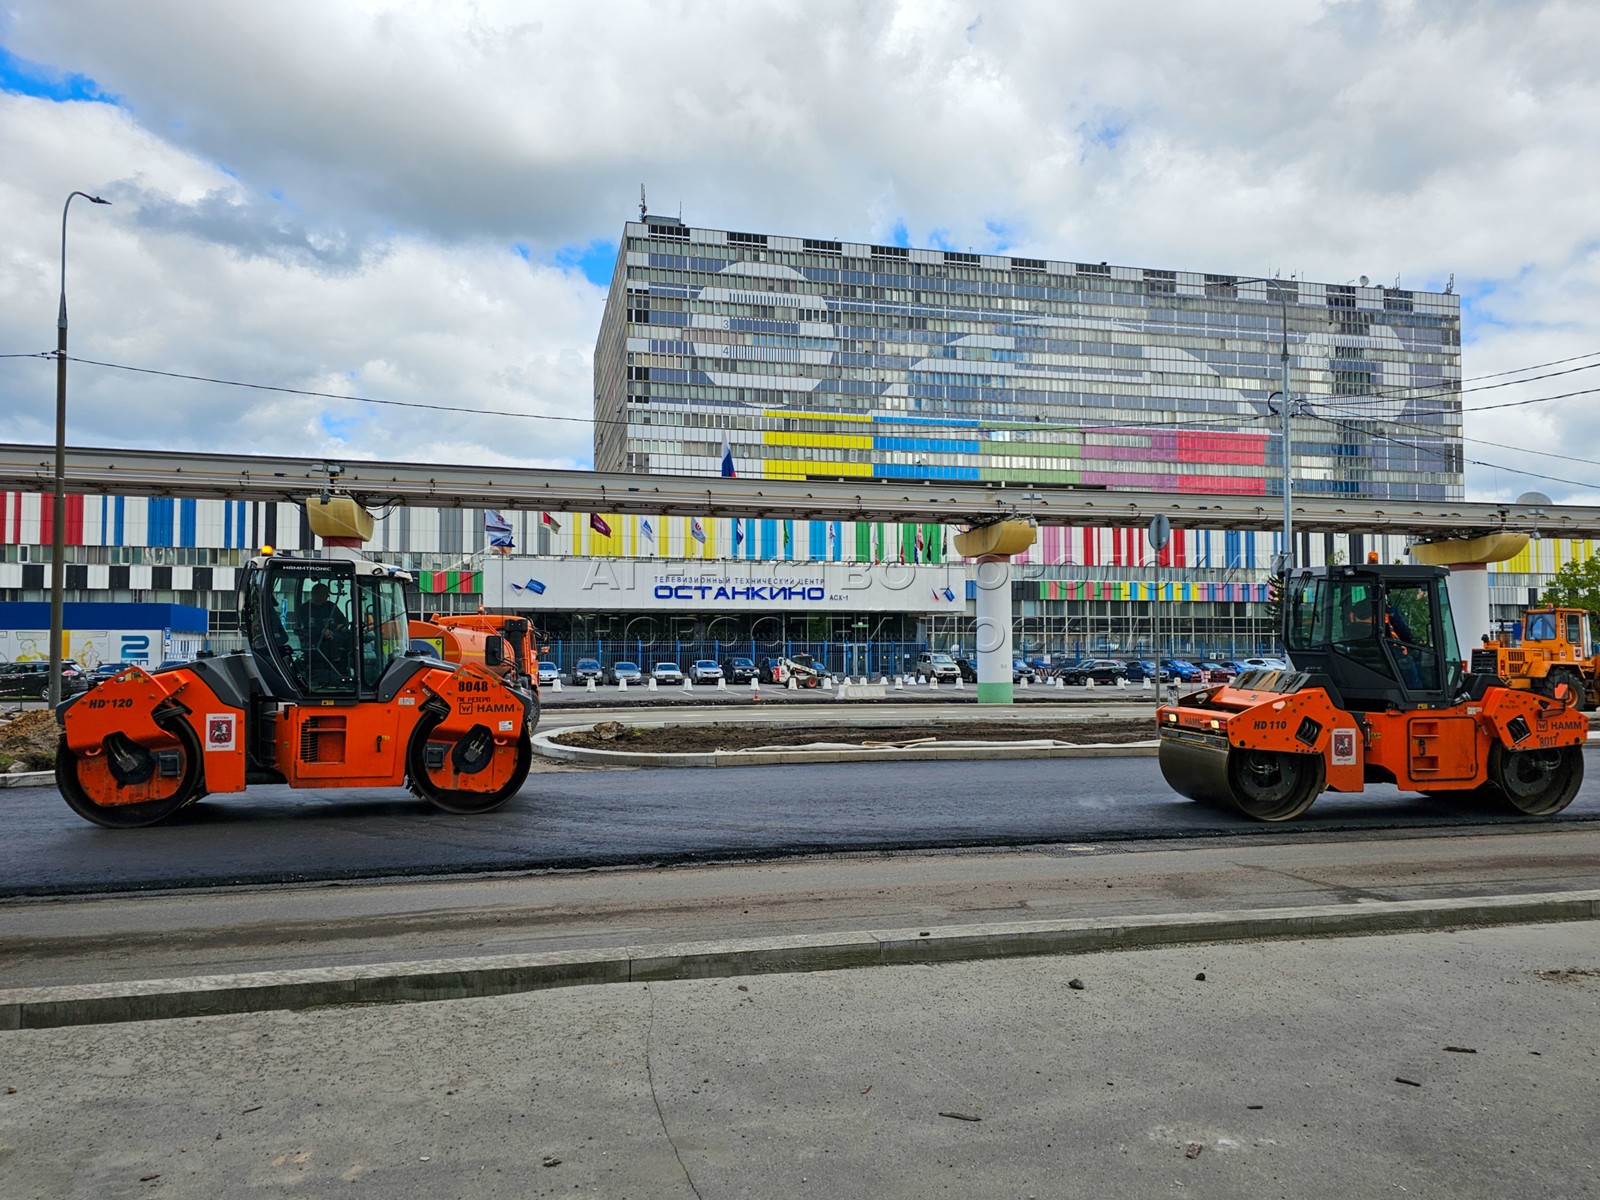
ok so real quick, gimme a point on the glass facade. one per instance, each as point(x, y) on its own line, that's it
point(833, 360)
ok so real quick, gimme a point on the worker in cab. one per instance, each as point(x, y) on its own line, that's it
point(324, 632)
point(1362, 625)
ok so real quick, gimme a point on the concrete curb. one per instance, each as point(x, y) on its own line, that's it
point(467, 978)
point(28, 779)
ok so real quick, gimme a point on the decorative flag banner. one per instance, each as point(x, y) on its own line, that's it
point(498, 529)
point(547, 519)
point(727, 457)
point(644, 528)
point(598, 524)
point(533, 585)
point(738, 532)
point(949, 595)
point(788, 530)
point(696, 531)
point(921, 546)
point(833, 535)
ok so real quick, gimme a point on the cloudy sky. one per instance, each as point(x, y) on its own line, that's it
point(421, 202)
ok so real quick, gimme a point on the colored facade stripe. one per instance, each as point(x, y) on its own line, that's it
point(831, 441)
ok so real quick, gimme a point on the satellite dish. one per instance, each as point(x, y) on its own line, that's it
point(1364, 281)
point(1534, 499)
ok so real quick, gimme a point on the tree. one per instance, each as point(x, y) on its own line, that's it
point(1274, 605)
point(1576, 585)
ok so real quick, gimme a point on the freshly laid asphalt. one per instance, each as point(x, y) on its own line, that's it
point(592, 818)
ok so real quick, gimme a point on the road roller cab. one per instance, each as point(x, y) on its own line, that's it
point(1376, 693)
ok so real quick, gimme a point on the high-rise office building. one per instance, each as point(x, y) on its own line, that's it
point(827, 359)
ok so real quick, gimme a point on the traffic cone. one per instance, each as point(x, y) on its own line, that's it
point(558, 683)
point(792, 685)
point(755, 691)
point(933, 683)
point(1088, 682)
point(883, 682)
point(827, 682)
point(1025, 682)
point(1058, 682)
point(590, 684)
point(622, 685)
point(1122, 683)
point(688, 684)
point(1145, 683)
point(960, 686)
point(899, 683)
point(652, 684)
point(722, 685)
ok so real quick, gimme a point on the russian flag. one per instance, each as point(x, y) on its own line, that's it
point(727, 457)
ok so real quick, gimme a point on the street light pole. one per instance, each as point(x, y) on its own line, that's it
point(1288, 519)
point(1287, 560)
point(58, 525)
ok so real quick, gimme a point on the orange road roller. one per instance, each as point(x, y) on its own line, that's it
point(328, 695)
point(1377, 694)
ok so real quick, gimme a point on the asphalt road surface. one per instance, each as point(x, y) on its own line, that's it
point(593, 818)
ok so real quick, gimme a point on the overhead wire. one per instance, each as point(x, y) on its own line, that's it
point(1220, 421)
point(1429, 429)
point(1229, 420)
point(1433, 453)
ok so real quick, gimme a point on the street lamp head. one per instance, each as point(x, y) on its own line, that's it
point(97, 200)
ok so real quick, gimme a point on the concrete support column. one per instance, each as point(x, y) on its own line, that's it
point(1468, 582)
point(992, 574)
point(990, 548)
point(1468, 585)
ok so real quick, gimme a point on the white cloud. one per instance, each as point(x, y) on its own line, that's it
point(325, 195)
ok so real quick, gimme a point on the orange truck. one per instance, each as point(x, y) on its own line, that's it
point(473, 637)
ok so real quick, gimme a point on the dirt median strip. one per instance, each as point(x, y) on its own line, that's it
point(464, 978)
point(668, 738)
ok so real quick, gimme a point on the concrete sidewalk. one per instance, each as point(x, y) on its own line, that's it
point(1450, 1064)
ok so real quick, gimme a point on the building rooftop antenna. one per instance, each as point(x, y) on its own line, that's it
point(643, 211)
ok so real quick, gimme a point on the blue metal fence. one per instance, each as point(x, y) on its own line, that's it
point(853, 658)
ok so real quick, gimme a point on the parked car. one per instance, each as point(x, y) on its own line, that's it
point(705, 670)
point(968, 668)
point(1180, 669)
point(31, 680)
point(587, 669)
point(1101, 670)
point(667, 673)
point(739, 670)
point(770, 670)
point(626, 672)
point(1020, 670)
point(549, 673)
point(105, 671)
point(1140, 669)
point(932, 665)
point(1217, 672)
